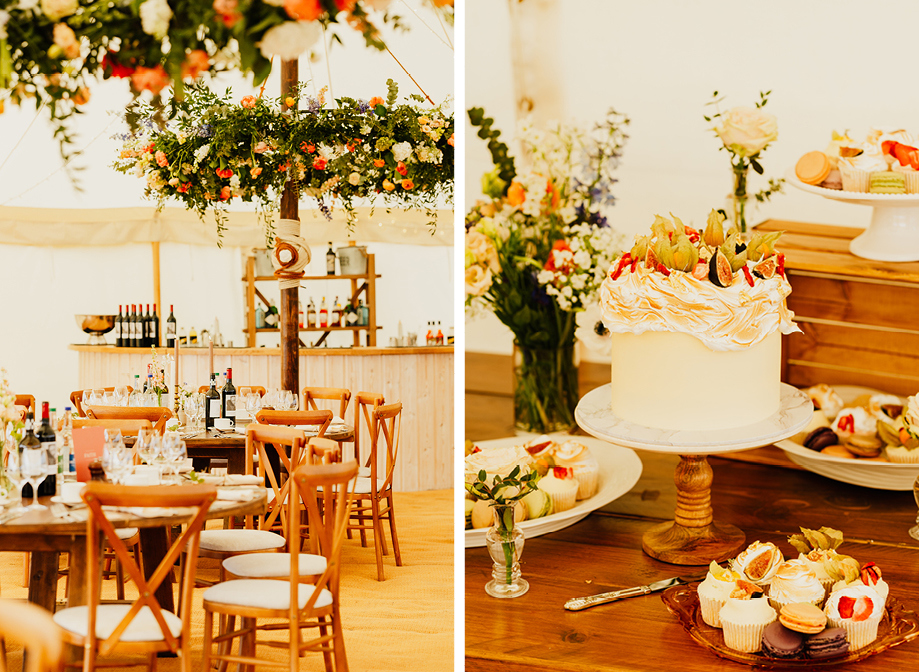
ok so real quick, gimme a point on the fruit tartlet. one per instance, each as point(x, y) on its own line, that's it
point(758, 563)
point(561, 486)
point(576, 456)
point(857, 610)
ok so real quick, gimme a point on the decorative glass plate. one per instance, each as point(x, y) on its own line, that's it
point(866, 473)
point(620, 469)
point(899, 625)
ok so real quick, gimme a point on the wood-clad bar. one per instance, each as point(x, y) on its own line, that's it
point(421, 378)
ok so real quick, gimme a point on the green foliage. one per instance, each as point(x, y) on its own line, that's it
point(503, 490)
point(504, 162)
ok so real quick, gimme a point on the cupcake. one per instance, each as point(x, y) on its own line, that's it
point(854, 420)
point(857, 610)
point(576, 456)
point(903, 455)
point(825, 399)
point(910, 175)
point(877, 402)
point(496, 462)
point(561, 486)
point(870, 576)
point(719, 583)
point(743, 620)
point(795, 582)
point(818, 553)
point(758, 563)
point(841, 145)
point(856, 171)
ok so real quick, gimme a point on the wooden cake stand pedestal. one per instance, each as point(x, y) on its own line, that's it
point(693, 537)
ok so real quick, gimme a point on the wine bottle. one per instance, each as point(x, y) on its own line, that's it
point(330, 260)
point(336, 314)
point(119, 323)
point(133, 325)
point(29, 452)
point(155, 328)
point(183, 339)
point(144, 326)
point(42, 450)
point(323, 314)
point(171, 328)
point(129, 327)
point(211, 403)
point(138, 327)
point(228, 399)
point(271, 317)
point(311, 314)
point(192, 337)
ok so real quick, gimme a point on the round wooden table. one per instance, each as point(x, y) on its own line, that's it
point(46, 536)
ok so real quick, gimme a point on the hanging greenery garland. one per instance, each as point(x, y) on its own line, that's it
point(52, 50)
point(215, 150)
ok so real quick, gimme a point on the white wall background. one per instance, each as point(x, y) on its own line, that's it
point(830, 65)
point(46, 286)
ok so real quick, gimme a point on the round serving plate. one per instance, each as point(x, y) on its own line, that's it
point(595, 416)
point(866, 473)
point(892, 235)
point(620, 469)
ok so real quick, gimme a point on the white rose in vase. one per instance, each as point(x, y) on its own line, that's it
point(58, 9)
point(746, 130)
point(289, 39)
point(154, 18)
point(478, 280)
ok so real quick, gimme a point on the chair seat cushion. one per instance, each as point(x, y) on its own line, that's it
point(273, 565)
point(143, 627)
point(363, 472)
point(238, 541)
point(126, 532)
point(263, 594)
point(362, 486)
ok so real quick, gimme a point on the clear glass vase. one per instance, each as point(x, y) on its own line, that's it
point(545, 389)
point(737, 200)
point(504, 541)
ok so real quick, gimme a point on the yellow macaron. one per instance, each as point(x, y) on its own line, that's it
point(813, 168)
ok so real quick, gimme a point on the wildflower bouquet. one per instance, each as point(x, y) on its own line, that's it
point(215, 150)
point(10, 429)
point(537, 252)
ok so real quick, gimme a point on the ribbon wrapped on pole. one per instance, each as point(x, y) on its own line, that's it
point(291, 254)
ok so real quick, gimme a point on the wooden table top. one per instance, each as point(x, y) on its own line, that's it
point(603, 553)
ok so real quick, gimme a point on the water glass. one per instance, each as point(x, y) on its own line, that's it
point(144, 445)
point(18, 474)
point(116, 459)
point(174, 452)
point(121, 395)
point(33, 464)
point(253, 404)
point(85, 401)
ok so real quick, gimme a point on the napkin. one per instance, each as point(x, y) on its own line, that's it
point(242, 479)
point(236, 494)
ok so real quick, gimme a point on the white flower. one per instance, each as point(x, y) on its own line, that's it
point(401, 151)
point(27, 5)
point(582, 257)
point(378, 5)
point(545, 277)
point(327, 152)
point(429, 154)
point(201, 152)
point(154, 18)
point(181, 136)
point(591, 331)
point(478, 280)
point(58, 9)
point(4, 17)
point(365, 129)
point(289, 39)
point(746, 131)
point(578, 282)
point(234, 181)
point(354, 178)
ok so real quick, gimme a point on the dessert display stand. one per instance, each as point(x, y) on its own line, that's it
point(693, 537)
point(892, 235)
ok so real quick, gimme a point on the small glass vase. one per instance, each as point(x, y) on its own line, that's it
point(737, 200)
point(504, 541)
point(545, 389)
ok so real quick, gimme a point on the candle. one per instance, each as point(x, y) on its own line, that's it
point(175, 381)
point(210, 354)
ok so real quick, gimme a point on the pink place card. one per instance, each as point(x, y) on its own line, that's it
point(88, 443)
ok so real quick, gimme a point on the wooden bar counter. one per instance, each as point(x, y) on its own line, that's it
point(421, 378)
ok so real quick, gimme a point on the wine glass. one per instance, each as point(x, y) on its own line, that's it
point(121, 395)
point(198, 406)
point(293, 400)
point(18, 474)
point(175, 453)
point(253, 404)
point(98, 396)
point(116, 459)
point(35, 464)
point(86, 400)
point(146, 450)
point(242, 393)
point(109, 399)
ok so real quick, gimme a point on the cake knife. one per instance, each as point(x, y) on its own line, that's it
point(579, 603)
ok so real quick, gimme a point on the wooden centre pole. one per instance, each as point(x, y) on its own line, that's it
point(290, 333)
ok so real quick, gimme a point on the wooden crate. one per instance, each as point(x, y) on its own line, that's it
point(860, 318)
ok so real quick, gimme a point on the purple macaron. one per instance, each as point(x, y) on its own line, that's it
point(780, 642)
point(827, 644)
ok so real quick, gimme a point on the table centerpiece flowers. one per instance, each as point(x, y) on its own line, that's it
point(11, 426)
point(537, 251)
point(504, 539)
point(745, 133)
point(215, 150)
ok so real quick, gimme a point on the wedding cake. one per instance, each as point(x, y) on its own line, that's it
point(696, 320)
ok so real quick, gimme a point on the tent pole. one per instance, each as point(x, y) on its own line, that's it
point(156, 283)
point(290, 333)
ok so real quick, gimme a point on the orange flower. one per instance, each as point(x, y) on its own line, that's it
point(516, 194)
point(376, 100)
point(182, 188)
point(150, 148)
point(248, 102)
point(379, 163)
point(554, 196)
point(345, 5)
point(307, 147)
point(224, 173)
point(407, 184)
point(127, 154)
point(227, 11)
point(319, 163)
point(161, 159)
point(451, 140)
point(283, 167)
point(153, 80)
point(388, 186)
point(255, 172)
point(81, 97)
point(261, 147)
point(303, 10)
point(208, 196)
point(196, 62)
point(401, 169)
point(225, 194)
point(290, 102)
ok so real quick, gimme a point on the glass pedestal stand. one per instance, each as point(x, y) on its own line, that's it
point(693, 537)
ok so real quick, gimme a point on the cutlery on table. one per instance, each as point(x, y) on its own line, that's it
point(579, 603)
point(10, 515)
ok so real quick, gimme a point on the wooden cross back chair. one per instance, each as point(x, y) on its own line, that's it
point(76, 397)
point(339, 394)
point(255, 388)
point(35, 629)
point(158, 415)
point(303, 605)
point(365, 404)
point(27, 401)
point(143, 626)
point(373, 495)
point(128, 427)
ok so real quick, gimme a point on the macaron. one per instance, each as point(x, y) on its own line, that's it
point(820, 438)
point(780, 642)
point(813, 168)
point(864, 445)
point(803, 617)
point(827, 644)
point(837, 451)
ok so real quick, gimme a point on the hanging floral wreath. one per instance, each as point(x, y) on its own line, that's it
point(214, 151)
point(51, 50)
